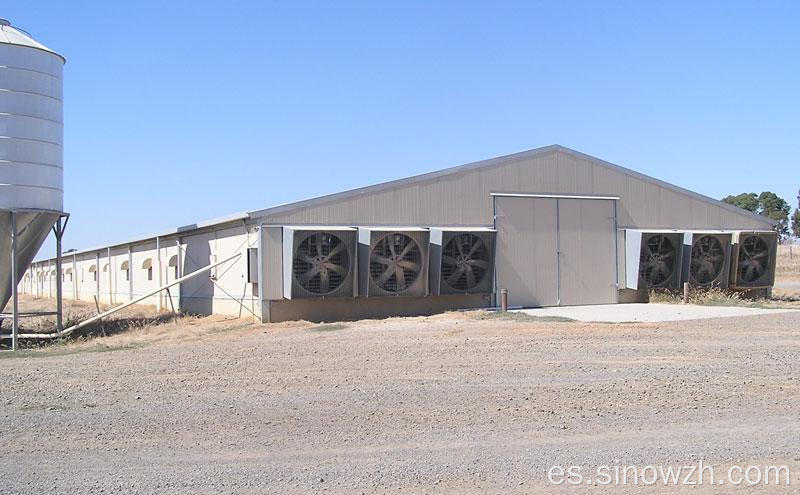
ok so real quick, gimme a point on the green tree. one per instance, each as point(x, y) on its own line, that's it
point(773, 206)
point(768, 204)
point(747, 201)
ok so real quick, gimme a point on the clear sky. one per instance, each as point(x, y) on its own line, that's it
point(177, 112)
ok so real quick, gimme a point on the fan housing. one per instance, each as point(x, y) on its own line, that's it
point(753, 259)
point(322, 262)
point(466, 264)
point(660, 260)
point(709, 260)
point(394, 262)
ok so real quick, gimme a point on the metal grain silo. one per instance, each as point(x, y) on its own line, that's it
point(31, 151)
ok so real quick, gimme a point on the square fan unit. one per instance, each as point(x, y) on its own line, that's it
point(709, 259)
point(319, 262)
point(753, 259)
point(660, 260)
point(393, 261)
point(462, 261)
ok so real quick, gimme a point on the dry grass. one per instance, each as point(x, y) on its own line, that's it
point(788, 267)
point(132, 327)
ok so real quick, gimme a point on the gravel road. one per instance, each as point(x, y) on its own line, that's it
point(454, 403)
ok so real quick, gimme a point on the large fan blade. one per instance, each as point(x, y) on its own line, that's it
point(470, 276)
point(338, 269)
point(406, 249)
point(475, 246)
point(400, 277)
point(479, 263)
point(749, 273)
point(324, 281)
point(336, 250)
point(380, 259)
point(391, 247)
point(385, 275)
point(449, 260)
point(318, 242)
point(459, 246)
point(453, 278)
point(409, 265)
point(306, 258)
point(305, 277)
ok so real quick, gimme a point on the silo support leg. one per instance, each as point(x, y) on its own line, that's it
point(14, 294)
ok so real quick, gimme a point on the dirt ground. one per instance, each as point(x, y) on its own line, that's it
point(468, 402)
point(461, 402)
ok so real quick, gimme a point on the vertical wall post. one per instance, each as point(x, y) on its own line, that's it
point(59, 288)
point(158, 267)
point(75, 281)
point(180, 270)
point(110, 278)
point(260, 255)
point(14, 295)
point(130, 273)
point(49, 279)
point(97, 273)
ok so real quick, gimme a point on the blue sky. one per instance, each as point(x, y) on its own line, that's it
point(183, 111)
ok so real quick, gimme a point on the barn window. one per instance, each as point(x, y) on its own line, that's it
point(93, 271)
point(68, 272)
point(148, 265)
point(126, 268)
point(173, 262)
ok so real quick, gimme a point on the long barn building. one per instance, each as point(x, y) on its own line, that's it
point(551, 225)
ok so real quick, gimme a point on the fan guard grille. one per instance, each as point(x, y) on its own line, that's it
point(753, 259)
point(321, 263)
point(395, 262)
point(657, 261)
point(465, 262)
point(708, 257)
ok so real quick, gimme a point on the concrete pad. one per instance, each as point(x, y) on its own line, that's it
point(618, 313)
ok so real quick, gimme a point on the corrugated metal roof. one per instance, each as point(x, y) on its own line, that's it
point(497, 162)
point(493, 162)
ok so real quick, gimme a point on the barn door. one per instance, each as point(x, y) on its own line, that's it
point(587, 253)
point(526, 254)
point(555, 251)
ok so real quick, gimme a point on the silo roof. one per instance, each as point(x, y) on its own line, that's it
point(16, 36)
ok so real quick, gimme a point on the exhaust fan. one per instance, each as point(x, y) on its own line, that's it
point(394, 262)
point(660, 260)
point(462, 261)
point(319, 262)
point(709, 260)
point(753, 259)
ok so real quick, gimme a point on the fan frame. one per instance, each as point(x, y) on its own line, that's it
point(293, 237)
point(348, 266)
point(369, 237)
point(767, 279)
point(673, 281)
point(438, 273)
point(720, 279)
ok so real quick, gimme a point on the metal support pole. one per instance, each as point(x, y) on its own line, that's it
point(504, 300)
point(158, 267)
point(59, 302)
point(49, 279)
point(14, 295)
point(686, 293)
